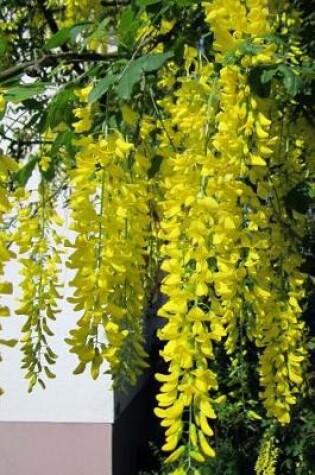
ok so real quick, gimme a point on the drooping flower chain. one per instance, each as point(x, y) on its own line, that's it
point(38, 242)
point(110, 215)
point(7, 166)
point(250, 277)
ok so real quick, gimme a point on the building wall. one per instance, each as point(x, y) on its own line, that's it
point(55, 449)
point(65, 429)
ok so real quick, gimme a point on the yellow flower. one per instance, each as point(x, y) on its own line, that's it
point(44, 162)
point(2, 103)
point(83, 93)
point(85, 124)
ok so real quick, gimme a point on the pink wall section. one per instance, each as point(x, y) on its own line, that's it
point(55, 449)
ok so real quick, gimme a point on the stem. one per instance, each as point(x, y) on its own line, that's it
point(40, 283)
point(48, 16)
point(161, 119)
point(100, 226)
point(50, 60)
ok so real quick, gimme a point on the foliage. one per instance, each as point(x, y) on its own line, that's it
point(179, 135)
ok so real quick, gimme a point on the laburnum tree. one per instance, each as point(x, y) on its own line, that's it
point(179, 134)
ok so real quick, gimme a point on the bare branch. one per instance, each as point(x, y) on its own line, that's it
point(22, 142)
point(50, 60)
point(48, 16)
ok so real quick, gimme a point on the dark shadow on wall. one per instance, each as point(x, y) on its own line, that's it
point(136, 428)
point(133, 433)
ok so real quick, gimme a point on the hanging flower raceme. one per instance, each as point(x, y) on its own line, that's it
point(84, 112)
point(110, 215)
point(279, 286)
point(259, 266)
point(233, 21)
point(38, 243)
point(188, 392)
point(232, 265)
point(7, 166)
point(268, 455)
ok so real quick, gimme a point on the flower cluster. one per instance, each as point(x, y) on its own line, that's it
point(268, 285)
point(7, 166)
point(186, 400)
point(231, 259)
point(268, 455)
point(75, 11)
point(110, 216)
point(38, 243)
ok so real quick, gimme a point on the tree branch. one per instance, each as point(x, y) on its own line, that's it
point(22, 142)
point(50, 60)
point(114, 3)
point(48, 16)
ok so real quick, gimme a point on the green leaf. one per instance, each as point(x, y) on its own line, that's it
point(308, 71)
point(80, 368)
point(50, 173)
point(24, 174)
point(49, 374)
point(101, 31)
point(153, 62)
point(94, 71)
point(155, 166)
point(144, 3)
point(250, 49)
point(24, 91)
point(51, 353)
point(133, 73)
point(268, 74)
point(273, 38)
point(185, 3)
point(11, 82)
point(262, 89)
point(10, 343)
point(3, 46)
point(128, 28)
point(58, 39)
point(60, 109)
point(291, 81)
point(41, 382)
point(46, 328)
point(229, 58)
point(311, 192)
point(78, 28)
point(49, 359)
point(101, 88)
point(63, 139)
point(130, 78)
